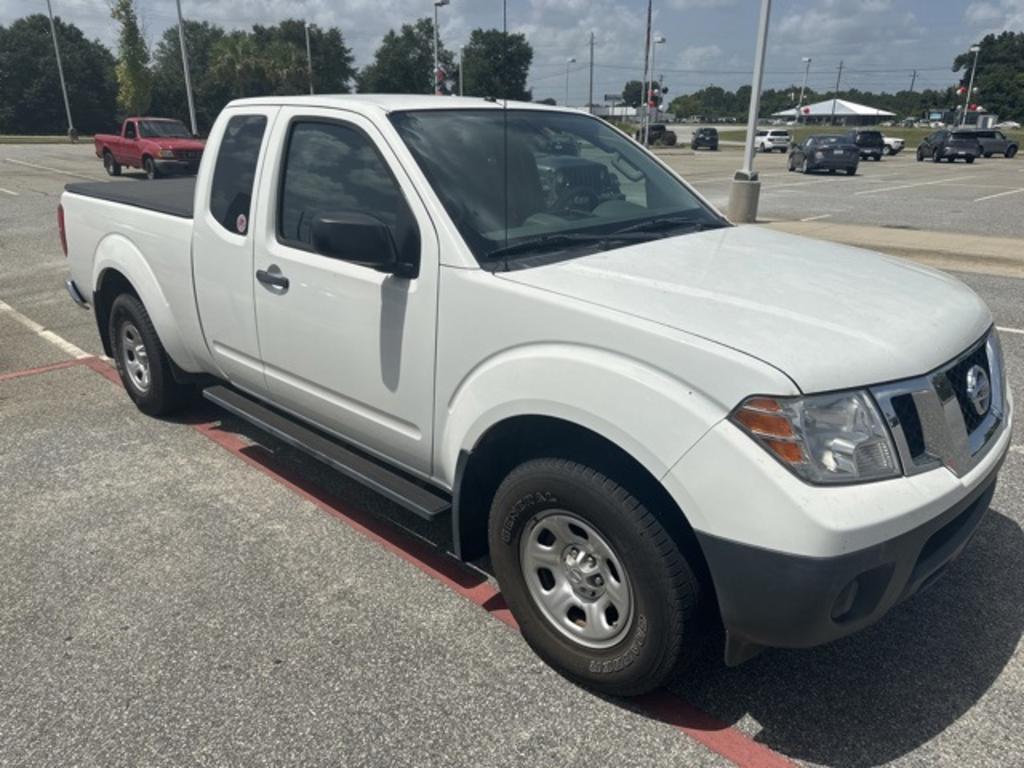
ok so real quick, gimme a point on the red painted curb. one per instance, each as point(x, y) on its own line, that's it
point(718, 736)
point(42, 369)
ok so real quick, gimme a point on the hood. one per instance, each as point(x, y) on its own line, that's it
point(828, 315)
point(182, 144)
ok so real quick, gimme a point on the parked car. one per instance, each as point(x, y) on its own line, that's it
point(771, 140)
point(824, 153)
point(1008, 125)
point(868, 142)
point(705, 137)
point(646, 417)
point(157, 145)
point(893, 145)
point(949, 145)
point(657, 133)
point(993, 142)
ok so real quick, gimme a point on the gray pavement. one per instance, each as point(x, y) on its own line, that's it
point(163, 602)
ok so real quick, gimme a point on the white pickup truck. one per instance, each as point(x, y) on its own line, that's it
point(517, 316)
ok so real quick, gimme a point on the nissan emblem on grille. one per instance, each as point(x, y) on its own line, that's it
point(979, 391)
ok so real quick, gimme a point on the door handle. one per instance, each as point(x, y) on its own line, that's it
point(273, 278)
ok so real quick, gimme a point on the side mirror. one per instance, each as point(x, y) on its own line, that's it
point(360, 238)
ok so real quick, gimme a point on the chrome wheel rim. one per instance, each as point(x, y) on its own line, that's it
point(576, 579)
point(134, 358)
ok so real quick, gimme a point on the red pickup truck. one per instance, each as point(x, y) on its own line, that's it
point(157, 145)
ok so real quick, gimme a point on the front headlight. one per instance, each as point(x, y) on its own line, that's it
point(832, 438)
point(166, 153)
point(819, 155)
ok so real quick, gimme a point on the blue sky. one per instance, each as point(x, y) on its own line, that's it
point(708, 41)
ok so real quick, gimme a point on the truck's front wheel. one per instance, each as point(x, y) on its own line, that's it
point(149, 166)
point(599, 588)
point(141, 362)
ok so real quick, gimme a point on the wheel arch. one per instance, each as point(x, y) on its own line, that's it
point(510, 442)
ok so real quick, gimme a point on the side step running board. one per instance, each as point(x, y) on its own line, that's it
point(387, 482)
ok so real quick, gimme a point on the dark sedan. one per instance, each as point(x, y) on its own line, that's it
point(824, 153)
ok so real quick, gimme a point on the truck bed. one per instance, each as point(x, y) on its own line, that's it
point(171, 196)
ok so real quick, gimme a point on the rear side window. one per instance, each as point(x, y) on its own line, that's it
point(235, 172)
point(333, 168)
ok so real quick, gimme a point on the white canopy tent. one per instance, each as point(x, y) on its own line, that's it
point(846, 112)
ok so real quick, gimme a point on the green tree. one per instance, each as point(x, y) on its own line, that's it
point(632, 93)
point(284, 47)
point(404, 62)
point(236, 64)
point(30, 97)
point(496, 64)
point(999, 79)
point(210, 95)
point(134, 79)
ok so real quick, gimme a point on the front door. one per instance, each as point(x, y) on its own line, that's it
point(345, 346)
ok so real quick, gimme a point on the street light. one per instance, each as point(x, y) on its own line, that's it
point(437, 70)
point(655, 42)
point(72, 133)
point(975, 49)
point(462, 65)
point(570, 60)
point(807, 69)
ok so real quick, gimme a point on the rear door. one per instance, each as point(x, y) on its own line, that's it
point(345, 346)
point(222, 244)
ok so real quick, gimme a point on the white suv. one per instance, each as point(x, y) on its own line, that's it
point(770, 140)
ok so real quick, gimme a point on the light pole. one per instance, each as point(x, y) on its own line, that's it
point(309, 58)
point(746, 188)
point(188, 76)
point(807, 69)
point(975, 49)
point(60, 71)
point(462, 65)
point(649, 87)
point(570, 60)
point(437, 72)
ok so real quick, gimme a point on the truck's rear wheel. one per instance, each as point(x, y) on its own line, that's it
point(599, 588)
point(141, 362)
point(110, 165)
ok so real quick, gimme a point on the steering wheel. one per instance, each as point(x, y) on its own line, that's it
point(576, 200)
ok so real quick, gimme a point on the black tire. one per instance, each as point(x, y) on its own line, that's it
point(162, 395)
point(110, 165)
point(920, 155)
point(1010, 151)
point(886, 150)
point(664, 591)
point(969, 159)
point(936, 156)
point(851, 171)
point(150, 168)
point(988, 155)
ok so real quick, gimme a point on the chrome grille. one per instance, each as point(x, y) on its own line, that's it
point(932, 419)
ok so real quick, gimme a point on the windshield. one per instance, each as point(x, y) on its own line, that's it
point(518, 183)
point(163, 129)
point(828, 141)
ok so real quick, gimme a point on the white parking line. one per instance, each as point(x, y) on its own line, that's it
point(58, 341)
point(816, 218)
point(9, 192)
point(1010, 330)
point(999, 194)
point(909, 186)
point(51, 170)
point(1017, 448)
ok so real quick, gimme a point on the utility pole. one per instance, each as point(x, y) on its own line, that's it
point(746, 187)
point(975, 49)
point(643, 81)
point(913, 79)
point(590, 92)
point(835, 96)
point(309, 58)
point(188, 76)
point(462, 65)
point(437, 66)
point(807, 70)
point(72, 134)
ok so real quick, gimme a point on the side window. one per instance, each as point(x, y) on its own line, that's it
point(235, 172)
point(332, 168)
point(129, 131)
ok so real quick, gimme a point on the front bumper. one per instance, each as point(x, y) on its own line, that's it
point(170, 167)
point(781, 600)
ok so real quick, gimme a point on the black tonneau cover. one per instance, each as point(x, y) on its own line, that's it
point(170, 196)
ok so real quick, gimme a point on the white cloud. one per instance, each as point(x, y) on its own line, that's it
point(995, 15)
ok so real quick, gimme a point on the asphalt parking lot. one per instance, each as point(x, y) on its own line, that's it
point(983, 198)
point(192, 592)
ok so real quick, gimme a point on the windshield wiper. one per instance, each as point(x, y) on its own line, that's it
point(668, 222)
point(545, 242)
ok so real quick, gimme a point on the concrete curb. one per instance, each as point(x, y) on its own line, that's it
point(946, 250)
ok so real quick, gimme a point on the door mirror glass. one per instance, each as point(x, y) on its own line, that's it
point(358, 238)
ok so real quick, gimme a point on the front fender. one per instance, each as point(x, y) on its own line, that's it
point(648, 413)
point(117, 252)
